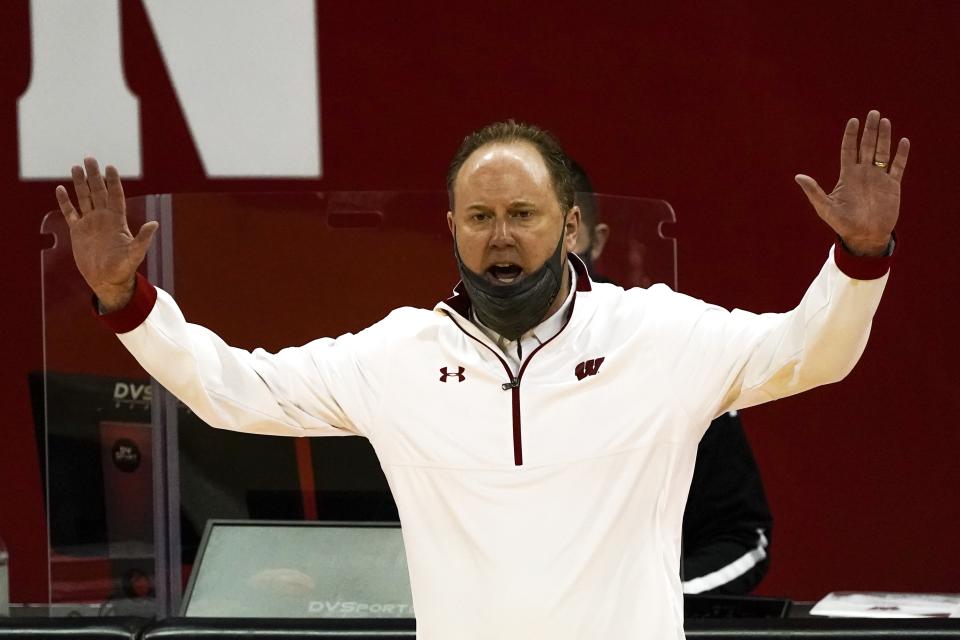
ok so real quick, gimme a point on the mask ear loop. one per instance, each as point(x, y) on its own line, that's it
point(563, 236)
point(563, 229)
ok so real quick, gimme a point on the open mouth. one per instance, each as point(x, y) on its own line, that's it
point(505, 272)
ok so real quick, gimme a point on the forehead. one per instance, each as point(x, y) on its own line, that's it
point(503, 171)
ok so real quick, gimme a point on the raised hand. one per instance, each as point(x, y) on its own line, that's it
point(106, 252)
point(864, 206)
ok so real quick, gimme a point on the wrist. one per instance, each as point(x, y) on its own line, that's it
point(870, 247)
point(112, 298)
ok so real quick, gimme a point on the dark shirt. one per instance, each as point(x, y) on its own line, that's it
point(727, 522)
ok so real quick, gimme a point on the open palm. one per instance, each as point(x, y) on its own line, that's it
point(106, 252)
point(864, 206)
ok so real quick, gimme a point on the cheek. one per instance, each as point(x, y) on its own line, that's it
point(471, 246)
point(536, 248)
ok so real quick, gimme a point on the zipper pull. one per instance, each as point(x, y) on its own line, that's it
point(513, 384)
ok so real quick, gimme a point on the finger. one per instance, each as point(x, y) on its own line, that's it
point(66, 207)
point(80, 186)
point(115, 199)
point(900, 160)
point(814, 193)
point(98, 190)
point(868, 143)
point(144, 237)
point(848, 146)
point(882, 154)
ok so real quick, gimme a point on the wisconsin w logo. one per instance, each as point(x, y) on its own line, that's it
point(444, 374)
point(588, 368)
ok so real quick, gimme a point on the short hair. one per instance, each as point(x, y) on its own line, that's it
point(554, 157)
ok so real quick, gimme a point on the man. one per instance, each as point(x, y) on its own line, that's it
point(532, 505)
point(727, 522)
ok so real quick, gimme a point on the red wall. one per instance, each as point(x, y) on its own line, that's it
point(713, 107)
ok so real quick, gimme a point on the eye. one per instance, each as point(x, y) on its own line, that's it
point(480, 216)
point(522, 213)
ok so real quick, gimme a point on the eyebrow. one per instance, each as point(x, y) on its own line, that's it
point(513, 205)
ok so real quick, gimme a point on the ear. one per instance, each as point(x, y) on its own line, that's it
point(450, 222)
point(572, 229)
point(601, 233)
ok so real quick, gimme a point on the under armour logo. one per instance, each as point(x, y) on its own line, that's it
point(444, 374)
point(588, 368)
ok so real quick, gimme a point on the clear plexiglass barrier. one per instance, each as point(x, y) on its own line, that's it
point(132, 476)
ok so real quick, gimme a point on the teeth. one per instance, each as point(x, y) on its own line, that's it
point(505, 272)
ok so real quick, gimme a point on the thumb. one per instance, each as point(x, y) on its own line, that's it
point(144, 237)
point(812, 190)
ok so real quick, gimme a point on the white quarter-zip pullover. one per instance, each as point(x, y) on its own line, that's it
point(544, 502)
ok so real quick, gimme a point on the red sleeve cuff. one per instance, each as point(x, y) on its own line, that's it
point(861, 267)
point(131, 316)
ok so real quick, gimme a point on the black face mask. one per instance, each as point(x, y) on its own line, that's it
point(513, 309)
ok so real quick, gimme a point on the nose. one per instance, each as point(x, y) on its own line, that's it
point(502, 234)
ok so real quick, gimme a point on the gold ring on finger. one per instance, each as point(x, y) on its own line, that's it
point(882, 165)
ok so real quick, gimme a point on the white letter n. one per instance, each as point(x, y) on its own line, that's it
point(245, 73)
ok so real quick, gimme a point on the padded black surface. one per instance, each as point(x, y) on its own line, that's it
point(822, 629)
point(280, 629)
point(772, 629)
point(708, 606)
point(72, 628)
point(385, 629)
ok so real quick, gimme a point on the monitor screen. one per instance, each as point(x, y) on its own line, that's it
point(299, 570)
